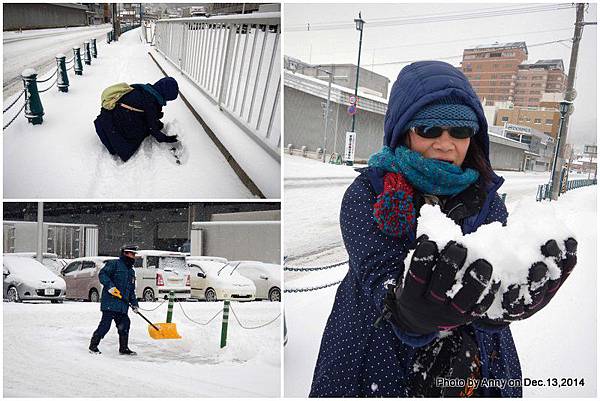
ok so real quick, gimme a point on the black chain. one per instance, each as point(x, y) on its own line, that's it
point(13, 103)
point(50, 87)
point(68, 61)
point(70, 68)
point(315, 268)
point(312, 288)
point(192, 320)
point(14, 118)
point(255, 327)
point(49, 78)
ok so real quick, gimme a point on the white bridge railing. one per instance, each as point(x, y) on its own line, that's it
point(235, 60)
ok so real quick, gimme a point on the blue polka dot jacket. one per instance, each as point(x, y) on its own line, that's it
point(358, 359)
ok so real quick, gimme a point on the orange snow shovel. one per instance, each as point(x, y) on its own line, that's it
point(159, 331)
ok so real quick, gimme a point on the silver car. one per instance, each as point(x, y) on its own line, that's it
point(26, 279)
point(81, 277)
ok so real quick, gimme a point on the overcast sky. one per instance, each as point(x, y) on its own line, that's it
point(388, 46)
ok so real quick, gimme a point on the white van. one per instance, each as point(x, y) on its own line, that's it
point(159, 272)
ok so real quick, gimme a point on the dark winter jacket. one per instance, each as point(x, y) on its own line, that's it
point(356, 358)
point(122, 130)
point(116, 274)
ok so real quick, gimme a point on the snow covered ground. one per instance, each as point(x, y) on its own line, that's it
point(37, 48)
point(45, 353)
point(64, 159)
point(557, 342)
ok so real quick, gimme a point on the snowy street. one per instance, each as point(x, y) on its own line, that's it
point(36, 48)
point(564, 332)
point(45, 353)
point(64, 159)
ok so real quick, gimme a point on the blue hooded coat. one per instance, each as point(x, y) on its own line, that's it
point(357, 359)
point(116, 274)
point(122, 130)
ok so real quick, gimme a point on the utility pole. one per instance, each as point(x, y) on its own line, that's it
point(569, 96)
point(40, 233)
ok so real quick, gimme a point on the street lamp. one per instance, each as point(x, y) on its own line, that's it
point(359, 27)
point(563, 108)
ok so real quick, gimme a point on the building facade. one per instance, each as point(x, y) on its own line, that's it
point(535, 80)
point(546, 120)
point(44, 15)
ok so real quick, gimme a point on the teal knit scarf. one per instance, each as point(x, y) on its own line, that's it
point(430, 176)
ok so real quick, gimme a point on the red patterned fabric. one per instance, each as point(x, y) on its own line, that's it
point(394, 210)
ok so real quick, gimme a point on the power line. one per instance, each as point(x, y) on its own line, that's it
point(427, 19)
point(459, 56)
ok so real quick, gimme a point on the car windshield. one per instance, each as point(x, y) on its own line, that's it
point(172, 263)
point(228, 269)
point(53, 264)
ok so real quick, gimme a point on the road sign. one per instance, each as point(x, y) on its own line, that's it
point(353, 99)
point(352, 110)
point(350, 146)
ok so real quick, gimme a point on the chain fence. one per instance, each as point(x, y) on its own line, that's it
point(314, 268)
point(255, 327)
point(50, 87)
point(14, 118)
point(153, 309)
point(199, 323)
point(47, 79)
point(13, 103)
point(320, 287)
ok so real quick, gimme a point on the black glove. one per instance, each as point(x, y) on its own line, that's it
point(421, 305)
point(160, 137)
point(539, 286)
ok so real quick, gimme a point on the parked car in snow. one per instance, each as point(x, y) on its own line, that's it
point(206, 258)
point(50, 260)
point(159, 272)
point(215, 281)
point(265, 276)
point(26, 279)
point(81, 277)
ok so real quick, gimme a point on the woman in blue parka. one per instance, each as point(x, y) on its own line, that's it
point(389, 337)
point(136, 116)
point(118, 292)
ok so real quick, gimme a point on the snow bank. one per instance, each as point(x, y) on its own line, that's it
point(45, 353)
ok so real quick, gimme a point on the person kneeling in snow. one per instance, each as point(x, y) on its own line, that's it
point(130, 113)
point(118, 279)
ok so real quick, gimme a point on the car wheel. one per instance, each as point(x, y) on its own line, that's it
point(12, 295)
point(148, 295)
point(275, 295)
point(93, 296)
point(56, 301)
point(210, 295)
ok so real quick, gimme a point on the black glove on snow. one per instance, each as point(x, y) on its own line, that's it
point(421, 306)
point(167, 138)
point(541, 289)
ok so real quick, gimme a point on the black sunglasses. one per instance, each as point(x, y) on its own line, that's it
point(435, 132)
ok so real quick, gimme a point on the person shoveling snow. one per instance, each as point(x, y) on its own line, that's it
point(118, 279)
point(130, 113)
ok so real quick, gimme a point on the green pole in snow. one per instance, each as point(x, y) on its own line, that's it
point(94, 48)
point(87, 58)
point(33, 105)
point(170, 309)
point(63, 78)
point(224, 324)
point(77, 66)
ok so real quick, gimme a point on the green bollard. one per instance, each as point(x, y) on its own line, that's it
point(33, 105)
point(87, 58)
point(224, 324)
point(77, 66)
point(170, 309)
point(63, 79)
point(94, 49)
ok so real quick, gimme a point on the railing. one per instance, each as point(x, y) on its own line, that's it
point(235, 60)
point(544, 190)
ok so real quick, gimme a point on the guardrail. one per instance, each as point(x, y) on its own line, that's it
point(235, 61)
point(544, 190)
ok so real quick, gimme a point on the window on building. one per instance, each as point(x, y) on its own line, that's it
point(537, 77)
point(504, 119)
point(537, 121)
point(548, 133)
point(495, 55)
point(549, 121)
point(508, 54)
point(528, 119)
point(533, 99)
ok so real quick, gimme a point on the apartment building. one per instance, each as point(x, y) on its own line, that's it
point(492, 69)
point(533, 80)
point(543, 119)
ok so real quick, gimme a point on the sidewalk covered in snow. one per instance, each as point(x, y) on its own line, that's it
point(64, 159)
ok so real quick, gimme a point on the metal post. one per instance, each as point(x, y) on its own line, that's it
point(225, 323)
point(108, 34)
point(327, 114)
point(40, 232)
point(33, 105)
point(357, 72)
point(87, 58)
point(78, 67)
point(94, 48)
point(554, 178)
point(170, 308)
point(63, 79)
